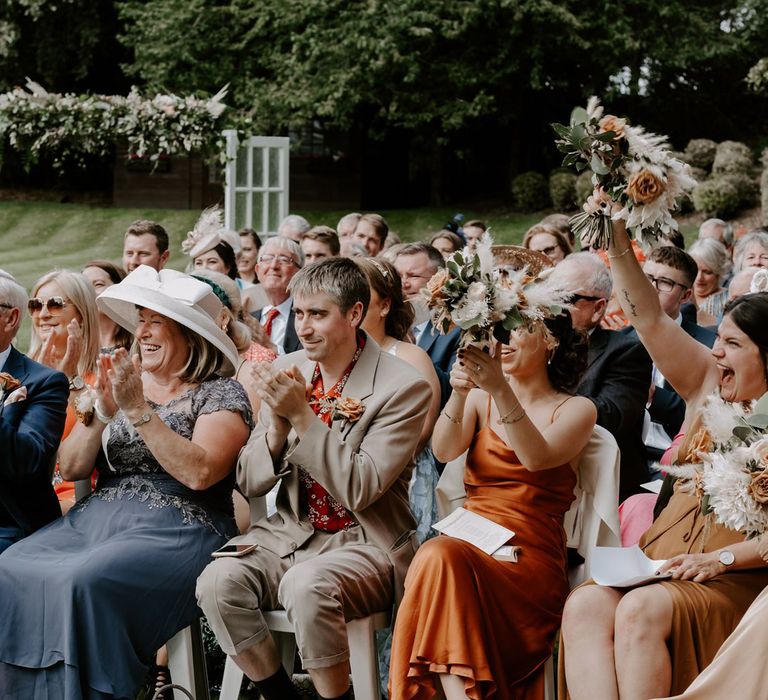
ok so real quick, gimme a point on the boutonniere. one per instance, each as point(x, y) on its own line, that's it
point(348, 409)
point(85, 404)
point(8, 385)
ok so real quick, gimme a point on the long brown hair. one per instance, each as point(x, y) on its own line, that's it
point(384, 280)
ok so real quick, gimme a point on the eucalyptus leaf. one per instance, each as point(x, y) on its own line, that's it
point(578, 133)
point(759, 421)
point(562, 130)
point(453, 268)
point(745, 434)
point(762, 404)
point(706, 508)
point(579, 116)
point(598, 166)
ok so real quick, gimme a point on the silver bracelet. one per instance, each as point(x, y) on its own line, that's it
point(103, 417)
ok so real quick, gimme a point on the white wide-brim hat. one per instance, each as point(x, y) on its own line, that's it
point(189, 302)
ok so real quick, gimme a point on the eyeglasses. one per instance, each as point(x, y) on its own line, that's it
point(35, 304)
point(7, 306)
point(281, 259)
point(664, 284)
point(408, 277)
point(573, 298)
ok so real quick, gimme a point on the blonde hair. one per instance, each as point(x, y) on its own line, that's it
point(79, 291)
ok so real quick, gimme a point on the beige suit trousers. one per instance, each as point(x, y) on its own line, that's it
point(331, 579)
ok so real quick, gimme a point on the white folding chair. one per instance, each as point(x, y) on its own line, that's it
point(363, 657)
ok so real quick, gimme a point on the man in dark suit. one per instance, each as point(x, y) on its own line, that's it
point(416, 263)
point(618, 375)
point(672, 271)
point(279, 260)
point(31, 424)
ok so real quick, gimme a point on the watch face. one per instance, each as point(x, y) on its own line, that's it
point(77, 383)
point(727, 558)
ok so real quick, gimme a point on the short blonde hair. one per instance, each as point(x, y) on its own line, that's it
point(79, 291)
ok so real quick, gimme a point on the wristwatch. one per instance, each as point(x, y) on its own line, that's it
point(727, 557)
point(77, 383)
point(145, 418)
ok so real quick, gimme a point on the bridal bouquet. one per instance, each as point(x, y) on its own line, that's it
point(630, 166)
point(732, 478)
point(487, 302)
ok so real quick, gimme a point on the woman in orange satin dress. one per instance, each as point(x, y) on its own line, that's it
point(484, 627)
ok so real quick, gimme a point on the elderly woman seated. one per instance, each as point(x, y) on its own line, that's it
point(88, 599)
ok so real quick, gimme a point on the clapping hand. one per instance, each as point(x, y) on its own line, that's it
point(66, 363)
point(481, 369)
point(124, 375)
point(283, 391)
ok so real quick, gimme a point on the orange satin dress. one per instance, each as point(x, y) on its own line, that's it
point(491, 622)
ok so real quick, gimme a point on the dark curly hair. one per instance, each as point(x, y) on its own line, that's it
point(569, 360)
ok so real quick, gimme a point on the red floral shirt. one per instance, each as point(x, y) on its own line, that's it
point(324, 511)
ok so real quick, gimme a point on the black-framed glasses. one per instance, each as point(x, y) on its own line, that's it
point(36, 304)
point(664, 284)
point(573, 298)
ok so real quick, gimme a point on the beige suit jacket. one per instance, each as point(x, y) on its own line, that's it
point(366, 465)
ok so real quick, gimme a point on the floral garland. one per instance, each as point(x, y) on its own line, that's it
point(731, 480)
point(629, 166)
point(72, 127)
point(487, 302)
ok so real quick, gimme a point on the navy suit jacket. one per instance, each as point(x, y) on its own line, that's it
point(442, 351)
point(30, 433)
point(291, 342)
point(617, 381)
point(667, 407)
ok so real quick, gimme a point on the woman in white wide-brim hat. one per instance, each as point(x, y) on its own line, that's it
point(87, 600)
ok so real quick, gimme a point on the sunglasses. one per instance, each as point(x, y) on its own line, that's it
point(35, 304)
point(573, 298)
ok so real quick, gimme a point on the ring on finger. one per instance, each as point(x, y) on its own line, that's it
point(477, 368)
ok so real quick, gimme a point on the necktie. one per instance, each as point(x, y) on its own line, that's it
point(271, 315)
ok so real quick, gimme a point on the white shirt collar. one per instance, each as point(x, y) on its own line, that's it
point(4, 355)
point(284, 308)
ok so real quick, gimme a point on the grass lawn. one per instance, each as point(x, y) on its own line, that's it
point(36, 237)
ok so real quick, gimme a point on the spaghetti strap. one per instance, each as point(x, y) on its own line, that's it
point(557, 408)
point(488, 412)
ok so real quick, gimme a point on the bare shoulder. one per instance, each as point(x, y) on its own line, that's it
point(416, 357)
point(575, 408)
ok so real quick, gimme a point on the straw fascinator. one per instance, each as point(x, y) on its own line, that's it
point(208, 232)
point(189, 302)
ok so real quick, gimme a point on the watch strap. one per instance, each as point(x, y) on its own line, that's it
point(145, 418)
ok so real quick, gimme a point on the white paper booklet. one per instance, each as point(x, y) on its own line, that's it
point(653, 486)
point(475, 529)
point(624, 567)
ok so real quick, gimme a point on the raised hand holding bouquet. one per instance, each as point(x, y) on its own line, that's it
point(487, 301)
point(629, 166)
point(731, 480)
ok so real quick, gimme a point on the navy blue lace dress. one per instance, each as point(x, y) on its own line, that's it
point(87, 601)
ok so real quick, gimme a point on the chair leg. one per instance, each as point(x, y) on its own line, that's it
point(363, 658)
point(232, 681)
point(186, 661)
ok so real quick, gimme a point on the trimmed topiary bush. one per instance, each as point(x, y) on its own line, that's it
point(732, 157)
point(716, 197)
point(584, 187)
point(530, 191)
point(562, 190)
point(747, 188)
point(700, 153)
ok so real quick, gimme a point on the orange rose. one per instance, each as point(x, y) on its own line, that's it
point(611, 123)
point(758, 489)
point(8, 383)
point(349, 408)
point(644, 187)
point(433, 289)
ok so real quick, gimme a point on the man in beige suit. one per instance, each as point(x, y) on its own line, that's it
point(338, 427)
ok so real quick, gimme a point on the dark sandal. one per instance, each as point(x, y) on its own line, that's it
point(159, 677)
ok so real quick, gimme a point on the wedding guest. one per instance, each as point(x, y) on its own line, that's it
point(447, 242)
point(718, 229)
point(65, 336)
point(350, 249)
point(145, 243)
point(548, 240)
point(279, 260)
point(741, 283)
point(88, 600)
point(294, 227)
point(33, 403)
point(341, 540)
point(619, 370)
point(713, 263)
point(751, 250)
point(562, 223)
point(416, 263)
point(347, 225)
point(248, 257)
point(496, 621)
point(102, 274)
point(391, 241)
point(653, 640)
point(473, 232)
point(388, 320)
point(211, 247)
point(318, 243)
point(371, 232)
